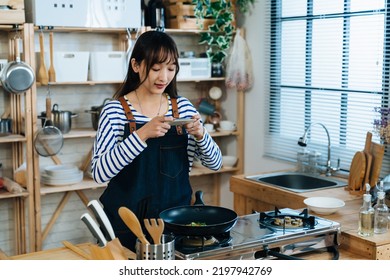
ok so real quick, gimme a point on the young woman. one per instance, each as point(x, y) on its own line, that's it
point(145, 159)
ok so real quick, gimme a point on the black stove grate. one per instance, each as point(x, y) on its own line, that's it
point(267, 219)
point(183, 244)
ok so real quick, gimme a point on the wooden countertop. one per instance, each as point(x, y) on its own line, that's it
point(255, 196)
point(64, 253)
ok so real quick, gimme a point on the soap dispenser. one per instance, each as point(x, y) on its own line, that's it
point(366, 215)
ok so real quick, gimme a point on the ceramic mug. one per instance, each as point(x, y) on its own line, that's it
point(209, 127)
point(206, 107)
point(227, 125)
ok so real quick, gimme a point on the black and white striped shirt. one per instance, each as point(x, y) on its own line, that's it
point(111, 153)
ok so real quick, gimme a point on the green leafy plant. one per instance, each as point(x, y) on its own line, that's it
point(219, 34)
point(244, 5)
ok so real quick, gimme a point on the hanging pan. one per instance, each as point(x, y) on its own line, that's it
point(17, 76)
point(49, 139)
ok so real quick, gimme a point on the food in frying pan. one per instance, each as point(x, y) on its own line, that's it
point(287, 221)
point(197, 224)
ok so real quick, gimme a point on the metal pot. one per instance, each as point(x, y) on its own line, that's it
point(217, 220)
point(61, 119)
point(17, 76)
point(95, 113)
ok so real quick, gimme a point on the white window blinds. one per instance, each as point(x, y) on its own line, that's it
point(328, 63)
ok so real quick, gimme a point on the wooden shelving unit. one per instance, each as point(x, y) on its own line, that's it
point(35, 190)
point(21, 143)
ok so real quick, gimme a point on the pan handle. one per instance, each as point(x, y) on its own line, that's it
point(199, 198)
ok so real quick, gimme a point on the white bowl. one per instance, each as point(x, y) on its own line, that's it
point(229, 161)
point(324, 205)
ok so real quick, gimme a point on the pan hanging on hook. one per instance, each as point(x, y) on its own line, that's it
point(17, 76)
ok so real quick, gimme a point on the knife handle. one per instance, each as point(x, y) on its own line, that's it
point(94, 229)
point(102, 219)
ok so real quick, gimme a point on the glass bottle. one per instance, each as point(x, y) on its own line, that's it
point(381, 218)
point(366, 217)
point(1, 176)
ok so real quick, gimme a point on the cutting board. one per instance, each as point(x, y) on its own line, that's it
point(357, 172)
point(367, 153)
point(377, 151)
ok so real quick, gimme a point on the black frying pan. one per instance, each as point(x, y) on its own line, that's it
point(217, 220)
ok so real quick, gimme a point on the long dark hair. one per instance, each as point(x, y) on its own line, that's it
point(153, 47)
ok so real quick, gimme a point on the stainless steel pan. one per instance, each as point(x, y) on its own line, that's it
point(17, 76)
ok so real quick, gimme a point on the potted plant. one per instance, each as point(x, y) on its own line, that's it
point(219, 34)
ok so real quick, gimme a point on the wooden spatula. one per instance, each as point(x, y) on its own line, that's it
point(132, 222)
point(155, 228)
point(52, 72)
point(42, 76)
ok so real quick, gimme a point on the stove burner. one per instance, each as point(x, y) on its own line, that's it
point(279, 220)
point(198, 241)
point(191, 244)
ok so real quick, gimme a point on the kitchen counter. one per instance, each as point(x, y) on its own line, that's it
point(252, 196)
point(64, 253)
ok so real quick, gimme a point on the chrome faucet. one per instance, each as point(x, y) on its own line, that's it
point(303, 142)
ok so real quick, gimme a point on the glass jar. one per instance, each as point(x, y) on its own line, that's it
point(302, 160)
point(314, 159)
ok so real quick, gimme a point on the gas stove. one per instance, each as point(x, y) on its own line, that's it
point(278, 234)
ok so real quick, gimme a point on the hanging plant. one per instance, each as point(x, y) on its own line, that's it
point(244, 5)
point(219, 34)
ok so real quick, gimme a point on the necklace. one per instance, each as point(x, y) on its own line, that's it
point(140, 106)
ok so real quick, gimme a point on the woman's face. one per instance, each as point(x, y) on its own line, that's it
point(159, 76)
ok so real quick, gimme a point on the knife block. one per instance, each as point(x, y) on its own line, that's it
point(112, 251)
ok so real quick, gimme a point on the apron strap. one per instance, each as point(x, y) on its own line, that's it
point(175, 113)
point(130, 117)
point(129, 114)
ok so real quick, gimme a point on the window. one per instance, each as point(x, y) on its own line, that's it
point(328, 64)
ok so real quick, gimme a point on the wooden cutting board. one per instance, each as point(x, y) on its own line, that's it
point(377, 151)
point(357, 172)
point(367, 153)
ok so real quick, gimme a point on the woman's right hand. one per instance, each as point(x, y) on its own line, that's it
point(156, 127)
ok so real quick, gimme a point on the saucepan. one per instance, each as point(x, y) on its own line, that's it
point(198, 219)
point(17, 76)
point(95, 113)
point(61, 119)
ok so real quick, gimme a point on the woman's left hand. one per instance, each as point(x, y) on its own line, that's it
point(195, 128)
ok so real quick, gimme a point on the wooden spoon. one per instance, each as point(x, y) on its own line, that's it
point(155, 229)
point(132, 222)
point(42, 76)
point(52, 72)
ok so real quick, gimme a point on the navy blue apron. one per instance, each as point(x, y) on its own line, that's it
point(156, 180)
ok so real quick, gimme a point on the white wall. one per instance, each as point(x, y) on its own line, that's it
point(255, 114)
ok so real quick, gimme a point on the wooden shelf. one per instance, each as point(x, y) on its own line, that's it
point(89, 183)
point(12, 138)
point(93, 83)
point(199, 171)
point(80, 133)
point(223, 133)
point(86, 184)
point(86, 83)
point(5, 194)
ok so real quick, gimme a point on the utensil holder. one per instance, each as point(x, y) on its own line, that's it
point(163, 251)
